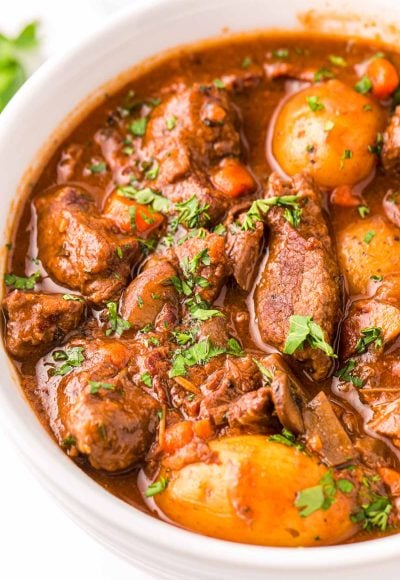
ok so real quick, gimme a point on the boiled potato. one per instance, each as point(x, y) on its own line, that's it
point(249, 495)
point(327, 129)
point(366, 248)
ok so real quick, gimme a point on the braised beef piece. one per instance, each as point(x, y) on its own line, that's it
point(79, 248)
point(253, 408)
point(109, 418)
point(188, 134)
point(391, 143)
point(243, 249)
point(287, 393)
point(301, 276)
point(391, 205)
point(37, 321)
point(148, 294)
point(381, 312)
point(204, 259)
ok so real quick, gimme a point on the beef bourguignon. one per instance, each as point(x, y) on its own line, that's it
point(203, 290)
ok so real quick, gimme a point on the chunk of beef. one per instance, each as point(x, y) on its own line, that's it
point(37, 321)
point(243, 249)
point(79, 248)
point(365, 314)
point(325, 434)
point(243, 373)
point(110, 419)
point(287, 393)
point(301, 276)
point(187, 134)
point(147, 294)
point(215, 329)
point(250, 409)
point(391, 143)
point(204, 259)
point(391, 205)
point(386, 420)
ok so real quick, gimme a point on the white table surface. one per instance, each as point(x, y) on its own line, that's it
point(37, 539)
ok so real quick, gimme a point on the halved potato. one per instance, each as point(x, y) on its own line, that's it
point(249, 496)
point(368, 247)
point(327, 130)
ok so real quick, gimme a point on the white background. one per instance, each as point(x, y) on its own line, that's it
point(37, 539)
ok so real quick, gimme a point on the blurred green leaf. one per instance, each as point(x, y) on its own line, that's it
point(12, 72)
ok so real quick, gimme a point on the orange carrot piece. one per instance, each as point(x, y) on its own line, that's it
point(233, 179)
point(383, 76)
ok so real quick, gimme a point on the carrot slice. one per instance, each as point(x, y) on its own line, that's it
point(383, 76)
point(203, 429)
point(177, 436)
point(233, 179)
point(344, 196)
point(130, 216)
point(391, 478)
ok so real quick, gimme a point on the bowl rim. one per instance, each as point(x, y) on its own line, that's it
point(66, 479)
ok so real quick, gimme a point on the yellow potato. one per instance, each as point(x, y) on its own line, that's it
point(360, 260)
point(332, 141)
point(249, 496)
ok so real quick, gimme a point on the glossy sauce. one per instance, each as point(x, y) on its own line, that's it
point(257, 109)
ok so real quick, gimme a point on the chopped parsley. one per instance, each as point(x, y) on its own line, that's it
point(117, 324)
point(146, 196)
point(314, 103)
point(260, 208)
point(73, 298)
point(69, 441)
point(156, 487)
point(220, 229)
point(22, 282)
point(199, 313)
point(346, 374)
point(376, 278)
point(71, 357)
point(170, 123)
point(363, 211)
point(364, 85)
point(267, 375)
point(303, 329)
point(286, 438)
point(337, 60)
point(369, 335)
point(191, 213)
point(369, 236)
point(376, 148)
point(152, 173)
point(197, 354)
point(280, 53)
point(147, 379)
point(219, 83)
point(95, 387)
point(233, 347)
point(347, 154)
point(329, 125)
point(98, 167)
point(138, 126)
point(246, 62)
point(323, 73)
point(322, 496)
point(374, 514)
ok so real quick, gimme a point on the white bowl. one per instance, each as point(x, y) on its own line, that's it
point(25, 126)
